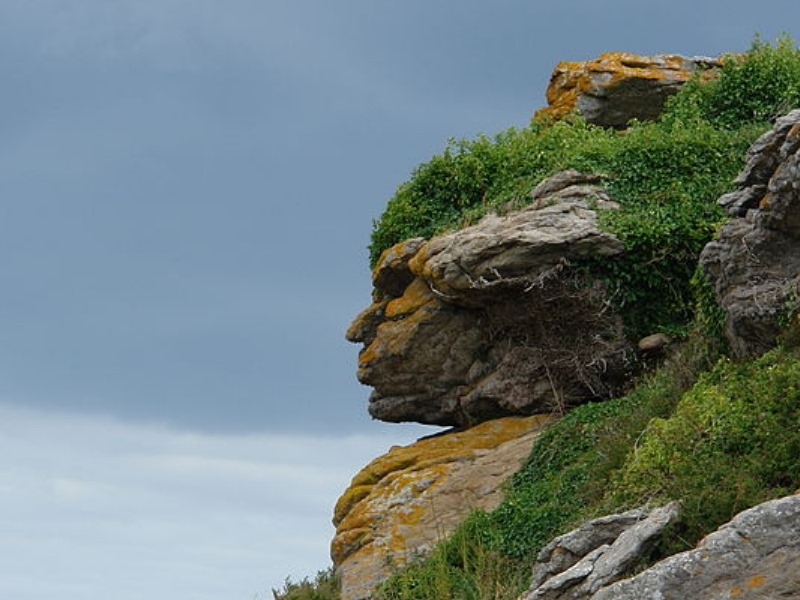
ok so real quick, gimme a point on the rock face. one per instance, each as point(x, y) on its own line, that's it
point(754, 556)
point(754, 265)
point(492, 320)
point(617, 86)
point(600, 552)
point(412, 497)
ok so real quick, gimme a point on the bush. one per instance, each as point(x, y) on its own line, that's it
point(471, 177)
point(754, 87)
point(325, 586)
point(732, 443)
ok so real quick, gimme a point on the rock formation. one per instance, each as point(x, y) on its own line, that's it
point(600, 552)
point(753, 557)
point(495, 322)
point(617, 86)
point(492, 320)
point(412, 497)
point(754, 265)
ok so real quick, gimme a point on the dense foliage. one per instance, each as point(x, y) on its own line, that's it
point(324, 586)
point(717, 435)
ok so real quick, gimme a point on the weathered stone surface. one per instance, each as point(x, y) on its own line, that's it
point(753, 557)
point(412, 497)
point(600, 552)
point(560, 225)
point(653, 345)
point(754, 264)
point(493, 321)
point(617, 86)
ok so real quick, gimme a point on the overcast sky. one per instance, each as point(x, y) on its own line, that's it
point(186, 194)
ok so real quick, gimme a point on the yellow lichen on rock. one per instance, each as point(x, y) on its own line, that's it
point(412, 496)
point(634, 86)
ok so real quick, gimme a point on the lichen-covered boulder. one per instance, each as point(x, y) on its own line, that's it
point(494, 319)
point(617, 87)
point(754, 264)
point(405, 501)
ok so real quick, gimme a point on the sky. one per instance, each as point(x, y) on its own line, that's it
point(187, 189)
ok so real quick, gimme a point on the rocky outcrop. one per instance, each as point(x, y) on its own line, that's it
point(617, 86)
point(493, 320)
point(753, 557)
point(602, 551)
point(754, 264)
point(412, 497)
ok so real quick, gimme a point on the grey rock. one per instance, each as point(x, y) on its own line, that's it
point(654, 344)
point(754, 556)
point(615, 101)
point(600, 552)
point(492, 320)
point(521, 247)
point(754, 264)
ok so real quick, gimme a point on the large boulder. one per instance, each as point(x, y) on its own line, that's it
point(754, 264)
point(753, 557)
point(617, 87)
point(409, 499)
point(600, 552)
point(494, 320)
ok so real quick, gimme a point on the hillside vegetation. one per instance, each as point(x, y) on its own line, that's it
point(716, 434)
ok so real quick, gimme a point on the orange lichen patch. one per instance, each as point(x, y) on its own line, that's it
point(395, 256)
point(755, 581)
point(354, 494)
point(399, 479)
point(417, 263)
point(392, 338)
point(416, 295)
point(572, 79)
point(365, 321)
point(765, 201)
point(349, 541)
point(735, 591)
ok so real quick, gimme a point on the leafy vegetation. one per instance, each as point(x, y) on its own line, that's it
point(732, 442)
point(325, 586)
point(717, 435)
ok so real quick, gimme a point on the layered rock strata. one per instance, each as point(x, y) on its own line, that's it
point(617, 87)
point(412, 497)
point(494, 320)
point(754, 264)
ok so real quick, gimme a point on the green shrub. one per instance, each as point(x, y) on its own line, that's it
point(733, 442)
point(325, 586)
point(471, 177)
point(754, 87)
